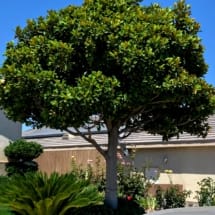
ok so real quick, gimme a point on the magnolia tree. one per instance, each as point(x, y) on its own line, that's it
point(110, 63)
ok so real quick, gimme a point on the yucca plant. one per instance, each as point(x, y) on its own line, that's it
point(39, 194)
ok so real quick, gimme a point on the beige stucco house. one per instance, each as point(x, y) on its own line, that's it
point(190, 158)
point(9, 130)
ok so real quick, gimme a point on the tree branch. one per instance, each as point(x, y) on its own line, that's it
point(124, 133)
point(135, 127)
point(164, 101)
point(88, 139)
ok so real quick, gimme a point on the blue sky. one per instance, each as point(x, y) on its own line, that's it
point(16, 12)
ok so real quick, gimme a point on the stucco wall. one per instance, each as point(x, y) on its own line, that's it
point(9, 128)
point(189, 181)
point(189, 165)
point(199, 160)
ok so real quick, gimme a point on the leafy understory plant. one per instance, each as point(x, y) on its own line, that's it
point(173, 197)
point(5, 211)
point(206, 194)
point(149, 203)
point(39, 194)
point(131, 182)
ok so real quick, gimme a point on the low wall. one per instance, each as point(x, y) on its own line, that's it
point(189, 181)
point(188, 165)
point(152, 190)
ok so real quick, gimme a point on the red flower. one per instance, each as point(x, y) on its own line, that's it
point(129, 198)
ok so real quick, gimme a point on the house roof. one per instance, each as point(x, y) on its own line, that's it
point(51, 138)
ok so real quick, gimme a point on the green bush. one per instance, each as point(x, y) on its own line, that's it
point(131, 182)
point(149, 203)
point(21, 150)
point(3, 180)
point(160, 198)
point(175, 198)
point(206, 194)
point(125, 207)
point(95, 176)
point(128, 207)
point(92, 210)
point(38, 194)
point(171, 198)
point(20, 167)
point(20, 154)
point(5, 211)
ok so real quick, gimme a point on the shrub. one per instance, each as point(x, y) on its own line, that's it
point(125, 207)
point(160, 198)
point(128, 207)
point(92, 210)
point(175, 198)
point(20, 154)
point(5, 211)
point(131, 182)
point(21, 150)
point(171, 198)
point(95, 176)
point(3, 180)
point(21, 167)
point(38, 194)
point(206, 194)
point(148, 203)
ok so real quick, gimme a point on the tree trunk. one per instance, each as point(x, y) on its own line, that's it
point(111, 169)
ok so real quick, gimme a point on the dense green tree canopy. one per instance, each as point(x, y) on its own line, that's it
point(113, 58)
point(137, 68)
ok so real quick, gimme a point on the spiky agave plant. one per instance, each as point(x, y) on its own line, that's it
point(39, 194)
